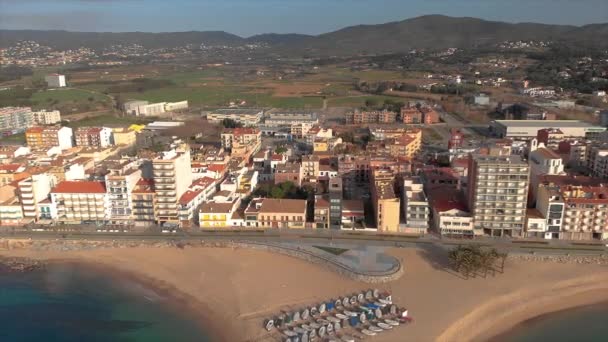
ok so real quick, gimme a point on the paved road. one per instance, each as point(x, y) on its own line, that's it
point(338, 237)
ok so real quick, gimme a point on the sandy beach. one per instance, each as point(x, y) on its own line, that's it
point(235, 289)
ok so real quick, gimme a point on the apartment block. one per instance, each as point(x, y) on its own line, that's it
point(369, 117)
point(246, 117)
point(450, 215)
point(123, 176)
point(411, 115)
point(93, 136)
point(416, 209)
point(288, 172)
point(142, 203)
point(543, 161)
point(172, 177)
point(124, 136)
point(46, 117)
point(242, 141)
point(32, 191)
point(14, 120)
point(199, 192)
point(11, 212)
point(497, 194)
point(384, 200)
point(79, 202)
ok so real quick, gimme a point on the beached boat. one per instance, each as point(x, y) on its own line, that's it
point(391, 322)
point(306, 327)
point(322, 321)
point(341, 316)
point(384, 301)
point(334, 319)
point(376, 293)
point(385, 326)
point(350, 313)
point(299, 330)
point(345, 301)
point(379, 304)
point(375, 328)
point(305, 313)
point(315, 325)
point(346, 338)
point(368, 332)
point(289, 333)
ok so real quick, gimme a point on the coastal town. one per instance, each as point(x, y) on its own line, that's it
point(291, 169)
point(432, 179)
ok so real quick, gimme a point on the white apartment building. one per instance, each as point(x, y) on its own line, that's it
point(79, 202)
point(415, 206)
point(498, 194)
point(543, 161)
point(172, 172)
point(246, 117)
point(120, 181)
point(32, 191)
point(46, 117)
point(171, 106)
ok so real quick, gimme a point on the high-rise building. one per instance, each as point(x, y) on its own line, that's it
point(172, 177)
point(335, 203)
point(386, 203)
point(123, 175)
point(497, 194)
point(93, 136)
point(33, 190)
point(81, 202)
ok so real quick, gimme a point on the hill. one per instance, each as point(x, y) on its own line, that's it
point(431, 32)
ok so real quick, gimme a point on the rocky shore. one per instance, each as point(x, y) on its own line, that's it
point(20, 264)
point(562, 259)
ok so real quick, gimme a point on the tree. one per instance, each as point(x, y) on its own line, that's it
point(371, 103)
point(280, 150)
point(471, 259)
point(229, 123)
point(277, 192)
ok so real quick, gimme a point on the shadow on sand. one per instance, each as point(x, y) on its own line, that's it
point(437, 257)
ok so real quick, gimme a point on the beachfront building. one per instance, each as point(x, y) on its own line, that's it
point(246, 117)
point(384, 200)
point(451, 217)
point(32, 191)
point(11, 212)
point(123, 176)
point(218, 212)
point(416, 209)
point(276, 213)
point(172, 177)
point(198, 192)
point(142, 203)
point(79, 202)
point(497, 194)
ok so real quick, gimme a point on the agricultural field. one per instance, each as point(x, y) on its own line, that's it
point(70, 100)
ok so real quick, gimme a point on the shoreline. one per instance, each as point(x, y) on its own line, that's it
point(490, 320)
point(548, 315)
point(172, 298)
point(233, 290)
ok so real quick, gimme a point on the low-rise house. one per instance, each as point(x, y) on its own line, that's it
point(451, 217)
point(190, 201)
point(218, 212)
point(288, 172)
point(276, 213)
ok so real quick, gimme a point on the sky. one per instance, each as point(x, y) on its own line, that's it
point(250, 17)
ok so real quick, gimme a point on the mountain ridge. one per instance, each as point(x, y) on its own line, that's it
point(429, 31)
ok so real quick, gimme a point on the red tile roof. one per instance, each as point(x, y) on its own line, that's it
point(219, 168)
point(445, 198)
point(80, 187)
point(10, 167)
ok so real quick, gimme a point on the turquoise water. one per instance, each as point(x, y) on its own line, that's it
point(69, 303)
point(584, 324)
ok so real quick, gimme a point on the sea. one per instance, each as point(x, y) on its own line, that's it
point(65, 303)
point(582, 324)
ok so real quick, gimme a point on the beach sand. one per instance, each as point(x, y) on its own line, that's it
point(236, 289)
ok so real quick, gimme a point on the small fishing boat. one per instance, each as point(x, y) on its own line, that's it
point(322, 321)
point(334, 319)
point(315, 325)
point(347, 338)
point(307, 327)
point(350, 313)
point(299, 330)
point(379, 304)
point(376, 293)
point(341, 316)
point(385, 326)
point(391, 322)
point(368, 332)
point(384, 301)
point(375, 328)
point(289, 333)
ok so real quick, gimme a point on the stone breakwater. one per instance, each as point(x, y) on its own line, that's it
point(562, 259)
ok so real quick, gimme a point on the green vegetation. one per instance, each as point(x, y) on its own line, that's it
point(284, 190)
point(229, 123)
point(14, 72)
point(139, 85)
point(16, 97)
point(357, 101)
point(332, 250)
point(13, 139)
point(471, 260)
point(70, 100)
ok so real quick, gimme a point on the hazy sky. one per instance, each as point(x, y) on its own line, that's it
point(248, 17)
